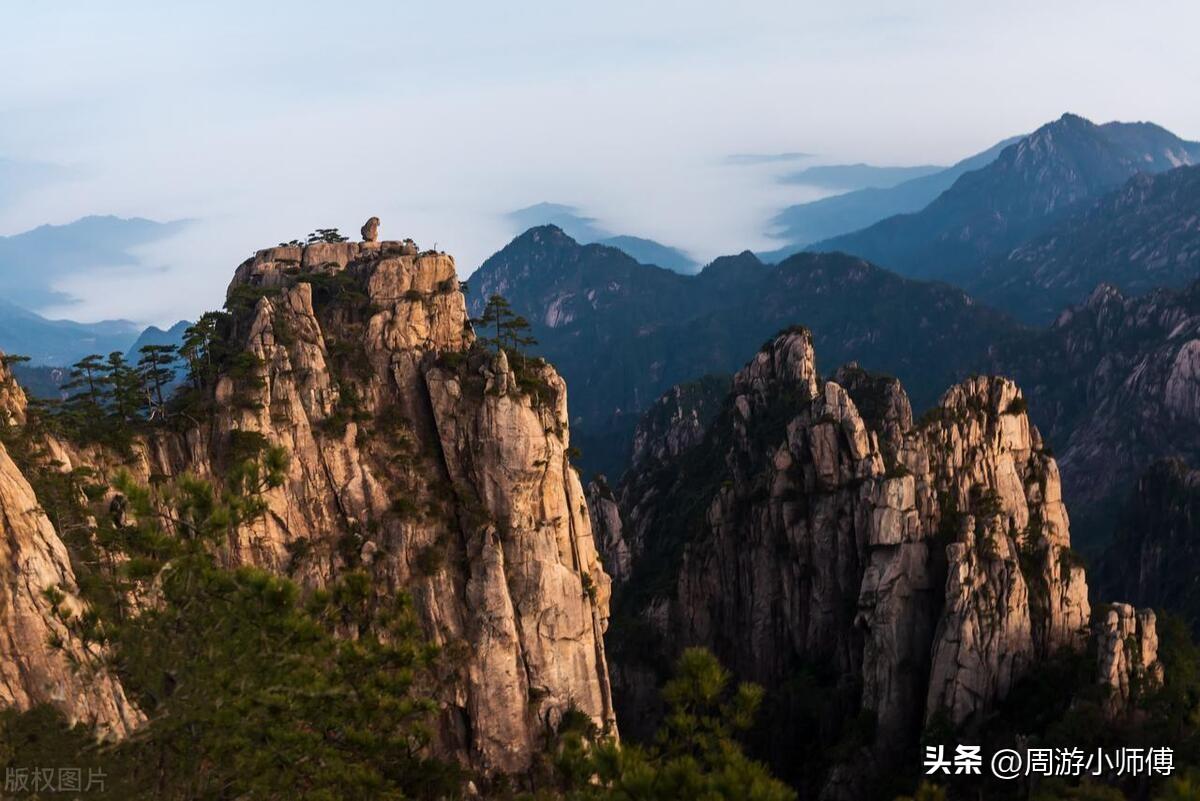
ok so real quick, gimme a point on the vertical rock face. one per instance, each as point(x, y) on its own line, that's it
point(439, 469)
point(432, 465)
point(42, 658)
point(927, 564)
point(1127, 653)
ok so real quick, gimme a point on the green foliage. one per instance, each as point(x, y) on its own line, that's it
point(507, 328)
point(326, 235)
point(205, 347)
point(1018, 405)
point(156, 369)
point(249, 689)
point(695, 754)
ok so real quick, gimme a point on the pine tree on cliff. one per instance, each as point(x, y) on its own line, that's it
point(509, 330)
point(694, 755)
point(495, 315)
point(156, 368)
point(87, 376)
point(124, 387)
point(326, 235)
point(202, 347)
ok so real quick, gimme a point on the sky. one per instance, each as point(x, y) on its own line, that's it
point(260, 122)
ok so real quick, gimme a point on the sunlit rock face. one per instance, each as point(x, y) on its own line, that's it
point(426, 461)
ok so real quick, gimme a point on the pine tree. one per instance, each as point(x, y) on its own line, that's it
point(156, 370)
point(202, 347)
point(88, 377)
point(325, 235)
point(496, 314)
point(124, 387)
point(517, 335)
point(694, 755)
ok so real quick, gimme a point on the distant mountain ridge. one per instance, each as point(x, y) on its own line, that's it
point(1031, 184)
point(33, 262)
point(806, 223)
point(1144, 236)
point(848, 177)
point(153, 335)
point(60, 342)
point(622, 332)
point(584, 229)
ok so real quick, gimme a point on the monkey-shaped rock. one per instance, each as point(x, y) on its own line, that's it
point(370, 230)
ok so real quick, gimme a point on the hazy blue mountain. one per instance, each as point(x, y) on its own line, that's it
point(31, 262)
point(153, 335)
point(584, 229)
point(1141, 237)
point(647, 251)
point(1031, 185)
point(568, 218)
point(820, 219)
point(59, 342)
point(40, 381)
point(847, 177)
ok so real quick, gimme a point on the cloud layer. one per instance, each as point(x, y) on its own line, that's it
point(263, 123)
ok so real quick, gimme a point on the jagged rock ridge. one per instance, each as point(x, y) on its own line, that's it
point(926, 566)
point(43, 660)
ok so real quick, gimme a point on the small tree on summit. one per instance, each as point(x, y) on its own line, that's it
point(325, 235)
point(509, 329)
point(495, 314)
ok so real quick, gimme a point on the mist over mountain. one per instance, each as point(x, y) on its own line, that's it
point(32, 263)
point(60, 342)
point(806, 223)
point(847, 177)
point(1030, 185)
point(18, 176)
point(584, 229)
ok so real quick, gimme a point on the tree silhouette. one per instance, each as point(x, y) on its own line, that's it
point(156, 369)
point(88, 377)
point(202, 348)
point(508, 329)
point(325, 235)
point(124, 387)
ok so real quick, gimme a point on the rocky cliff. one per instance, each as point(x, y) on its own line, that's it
point(907, 573)
point(43, 658)
point(1115, 384)
point(429, 463)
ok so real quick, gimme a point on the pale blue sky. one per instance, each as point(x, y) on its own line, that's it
point(266, 120)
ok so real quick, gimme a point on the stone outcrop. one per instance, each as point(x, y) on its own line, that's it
point(1115, 384)
point(429, 463)
point(370, 230)
point(924, 565)
point(43, 657)
point(1127, 654)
